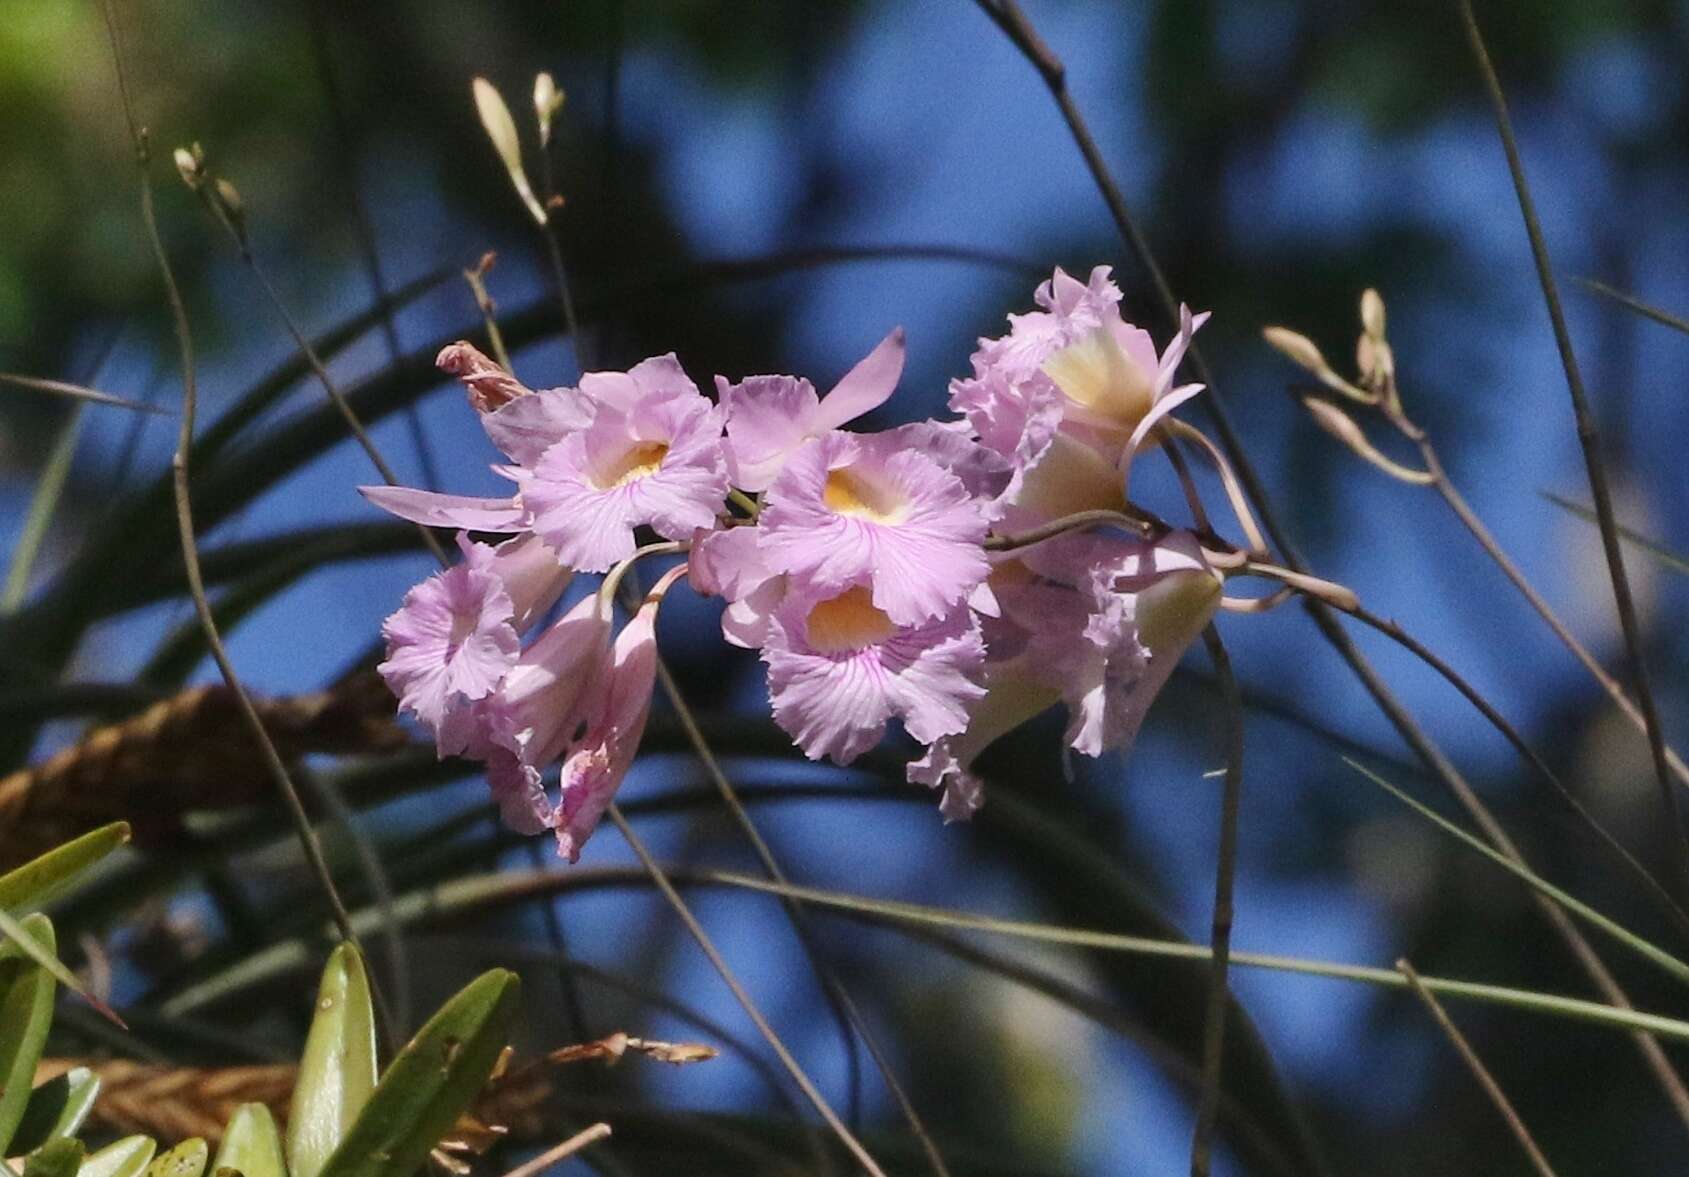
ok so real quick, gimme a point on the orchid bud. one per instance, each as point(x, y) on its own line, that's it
point(190, 163)
point(228, 199)
point(548, 100)
point(1298, 349)
point(1372, 314)
point(501, 129)
point(1173, 610)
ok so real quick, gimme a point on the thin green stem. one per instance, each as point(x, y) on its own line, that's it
point(1659, 956)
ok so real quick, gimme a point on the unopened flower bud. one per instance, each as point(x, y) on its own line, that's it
point(548, 100)
point(501, 129)
point(190, 163)
point(1173, 610)
point(228, 197)
point(1298, 349)
point(1372, 314)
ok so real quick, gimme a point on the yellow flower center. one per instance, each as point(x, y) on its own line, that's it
point(848, 493)
point(633, 465)
point(848, 622)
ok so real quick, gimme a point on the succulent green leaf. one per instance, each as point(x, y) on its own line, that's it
point(56, 1108)
point(337, 1072)
point(251, 1145)
point(434, 1079)
point(57, 1158)
point(123, 1158)
point(185, 1160)
point(26, 1012)
point(42, 879)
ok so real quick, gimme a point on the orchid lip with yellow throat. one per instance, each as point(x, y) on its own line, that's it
point(849, 493)
point(635, 463)
point(848, 622)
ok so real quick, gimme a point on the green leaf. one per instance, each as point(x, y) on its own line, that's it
point(49, 488)
point(57, 1158)
point(251, 1145)
point(337, 1072)
point(46, 957)
point(35, 883)
point(56, 1108)
point(185, 1160)
point(1670, 559)
point(124, 1158)
point(26, 1013)
point(434, 1079)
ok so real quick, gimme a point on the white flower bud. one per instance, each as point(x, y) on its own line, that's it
point(1298, 349)
point(501, 129)
point(548, 100)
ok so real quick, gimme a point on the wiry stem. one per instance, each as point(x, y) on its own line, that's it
point(793, 1067)
point(1476, 1066)
point(1225, 870)
point(1590, 443)
point(1006, 15)
point(185, 524)
point(835, 990)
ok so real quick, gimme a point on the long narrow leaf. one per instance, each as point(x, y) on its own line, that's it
point(1577, 907)
point(1543, 1003)
point(1653, 547)
point(76, 392)
point(39, 881)
point(434, 1079)
point(337, 1072)
point(26, 1014)
point(49, 488)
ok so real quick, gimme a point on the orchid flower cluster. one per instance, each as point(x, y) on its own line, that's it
point(922, 573)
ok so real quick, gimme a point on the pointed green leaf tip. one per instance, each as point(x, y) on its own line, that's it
point(251, 1145)
point(26, 1012)
point(185, 1160)
point(40, 880)
point(56, 1108)
point(337, 1071)
point(433, 1081)
point(124, 1158)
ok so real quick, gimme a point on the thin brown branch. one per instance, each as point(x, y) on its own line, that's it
point(834, 989)
point(1479, 1071)
point(1006, 15)
point(746, 1002)
point(1393, 630)
point(184, 516)
point(1225, 870)
point(1590, 442)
